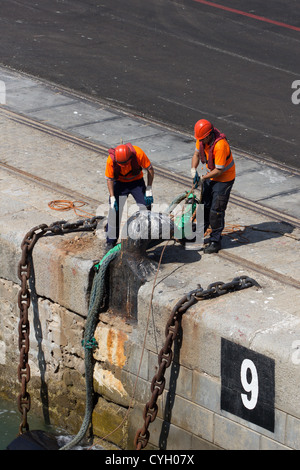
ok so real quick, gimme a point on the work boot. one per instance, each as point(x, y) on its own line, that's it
point(213, 247)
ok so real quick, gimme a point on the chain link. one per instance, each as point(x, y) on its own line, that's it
point(165, 355)
point(24, 268)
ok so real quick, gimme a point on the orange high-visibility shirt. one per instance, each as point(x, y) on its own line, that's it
point(222, 159)
point(142, 160)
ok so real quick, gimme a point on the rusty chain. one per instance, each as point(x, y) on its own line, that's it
point(24, 268)
point(165, 355)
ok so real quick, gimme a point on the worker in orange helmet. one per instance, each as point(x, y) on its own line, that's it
point(124, 176)
point(212, 149)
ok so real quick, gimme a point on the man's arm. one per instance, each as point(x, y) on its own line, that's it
point(110, 186)
point(213, 174)
point(150, 175)
point(195, 159)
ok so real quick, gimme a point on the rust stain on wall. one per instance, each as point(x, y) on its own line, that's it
point(111, 345)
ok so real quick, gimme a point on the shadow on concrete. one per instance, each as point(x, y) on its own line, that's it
point(234, 236)
point(174, 253)
point(39, 338)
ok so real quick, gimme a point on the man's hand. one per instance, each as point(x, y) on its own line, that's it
point(148, 196)
point(113, 203)
point(196, 177)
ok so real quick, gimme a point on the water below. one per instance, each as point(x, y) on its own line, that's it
point(10, 419)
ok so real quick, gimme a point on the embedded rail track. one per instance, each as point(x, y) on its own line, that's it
point(179, 179)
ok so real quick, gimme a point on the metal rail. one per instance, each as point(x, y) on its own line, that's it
point(165, 357)
point(235, 199)
point(160, 171)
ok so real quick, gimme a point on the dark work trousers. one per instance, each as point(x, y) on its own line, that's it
point(121, 191)
point(215, 198)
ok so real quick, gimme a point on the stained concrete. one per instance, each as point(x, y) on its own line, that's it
point(264, 319)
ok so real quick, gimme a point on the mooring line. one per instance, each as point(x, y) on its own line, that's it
point(142, 354)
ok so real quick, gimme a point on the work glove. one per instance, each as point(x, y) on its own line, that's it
point(196, 177)
point(113, 203)
point(148, 196)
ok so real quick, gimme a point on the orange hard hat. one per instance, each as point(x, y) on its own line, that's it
point(202, 129)
point(122, 154)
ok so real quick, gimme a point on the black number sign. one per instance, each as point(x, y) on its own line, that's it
point(247, 384)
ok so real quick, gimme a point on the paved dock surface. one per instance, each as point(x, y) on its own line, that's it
point(37, 166)
point(273, 186)
point(46, 166)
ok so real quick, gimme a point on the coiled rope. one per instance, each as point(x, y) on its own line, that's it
point(63, 205)
point(96, 299)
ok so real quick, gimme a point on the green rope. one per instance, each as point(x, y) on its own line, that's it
point(96, 298)
point(89, 342)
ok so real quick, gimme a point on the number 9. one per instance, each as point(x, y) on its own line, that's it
point(251, 386)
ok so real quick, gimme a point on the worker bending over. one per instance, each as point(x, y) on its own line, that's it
point(213, 149)
point(124, 175)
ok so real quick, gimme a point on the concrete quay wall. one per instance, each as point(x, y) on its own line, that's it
point(262, 326)
point(263, 320)
point(193, 391)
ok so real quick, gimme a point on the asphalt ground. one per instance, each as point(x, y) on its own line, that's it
point(233, 62)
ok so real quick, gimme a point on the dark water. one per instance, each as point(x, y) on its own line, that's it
point(10, 419)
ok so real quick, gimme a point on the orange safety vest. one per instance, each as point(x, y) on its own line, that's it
point(210, 162)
